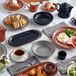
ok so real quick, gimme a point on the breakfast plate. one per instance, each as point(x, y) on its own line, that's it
point(44, 7)
point(24, 37)
point(39, 68)
point(58, 33)
point(42, 50)
point(16, 21)
point(8, 6)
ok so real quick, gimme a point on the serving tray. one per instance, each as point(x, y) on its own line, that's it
point(41, 64)
point(11, 27)
point(24, 37)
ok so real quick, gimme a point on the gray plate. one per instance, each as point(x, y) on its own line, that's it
point(3, 49)
point(11, 27)
point(43, 48)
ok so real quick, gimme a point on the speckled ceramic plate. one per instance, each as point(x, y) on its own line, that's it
point(3, 49)
point(43, 48)
point(11, 27)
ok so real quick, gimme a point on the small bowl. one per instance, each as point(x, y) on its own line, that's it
point(50, 67)
point(43, 18)
point(62, 55)
point(72, 65)
point(73, 21)
point(43, 49)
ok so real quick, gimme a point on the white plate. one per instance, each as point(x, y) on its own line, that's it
point(20, 60)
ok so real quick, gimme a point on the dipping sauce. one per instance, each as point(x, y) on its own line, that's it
point(50, 67)
point(19, 52)
point(7, 5)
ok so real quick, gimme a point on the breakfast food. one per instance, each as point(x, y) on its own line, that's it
point(16, 21)
point(62, 37)
point(72, 71)
point(14, 4)
point(35, 72)
point(50, 5)
point(68, 37)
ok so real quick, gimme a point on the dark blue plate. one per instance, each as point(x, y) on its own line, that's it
point(43, 18)
point(24, 37)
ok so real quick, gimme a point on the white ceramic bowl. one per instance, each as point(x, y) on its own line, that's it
point(72, 65)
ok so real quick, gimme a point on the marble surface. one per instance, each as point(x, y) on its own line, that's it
point(32, 25)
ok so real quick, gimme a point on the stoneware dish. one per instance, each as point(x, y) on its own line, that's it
point(19, 55)
point(6, 6)
point(11, 27)
point(24, 37)
point(43, 48)
point(3, 49)
point(57, 32)
point(72, 65)
point(43, 18)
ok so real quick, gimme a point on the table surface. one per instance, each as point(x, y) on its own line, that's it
point(32, 25)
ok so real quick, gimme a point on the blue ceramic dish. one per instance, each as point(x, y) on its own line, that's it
point(43, 18)
point(24, 37)
point(73, 21)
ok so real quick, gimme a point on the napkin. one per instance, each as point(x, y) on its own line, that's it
point(63, 65)
point(13, 68)
point(49, 31)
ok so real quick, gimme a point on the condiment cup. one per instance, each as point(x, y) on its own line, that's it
point(62, 55)
point(50, 67)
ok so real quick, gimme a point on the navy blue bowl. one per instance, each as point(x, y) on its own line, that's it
point(43, 18)
point(73, 21)
point(62, 55)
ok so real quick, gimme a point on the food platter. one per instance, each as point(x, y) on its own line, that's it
point(24, 37)
point(36, 66)
point(12, 15)
point(7, 7)
point(57, 32)
point(48, 10)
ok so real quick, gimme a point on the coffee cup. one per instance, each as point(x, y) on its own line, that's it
point(18, 53)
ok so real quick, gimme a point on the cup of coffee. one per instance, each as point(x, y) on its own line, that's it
point(19, 53)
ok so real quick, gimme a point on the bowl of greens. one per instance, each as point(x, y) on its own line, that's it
point(71, 71)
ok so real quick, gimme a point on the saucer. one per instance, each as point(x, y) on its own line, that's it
point(19, 60)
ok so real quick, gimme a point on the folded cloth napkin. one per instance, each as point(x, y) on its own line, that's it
point(63, 65)
point(48, 31)
point(17, 66)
